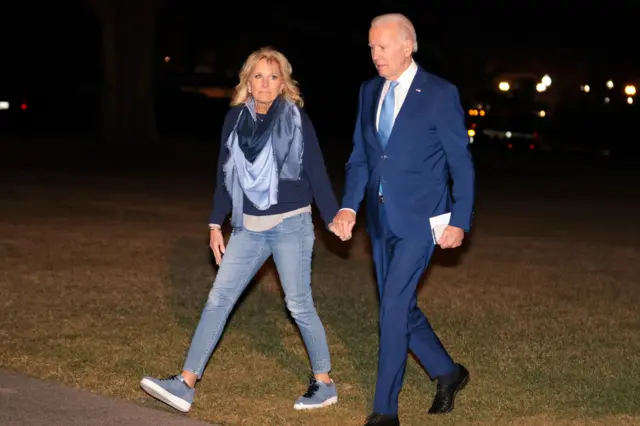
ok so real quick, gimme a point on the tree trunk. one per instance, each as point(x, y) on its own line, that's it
point(128, 47)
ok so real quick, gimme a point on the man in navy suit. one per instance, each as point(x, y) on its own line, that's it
point(410, 140)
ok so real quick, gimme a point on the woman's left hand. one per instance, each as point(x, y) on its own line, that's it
point(332, 228)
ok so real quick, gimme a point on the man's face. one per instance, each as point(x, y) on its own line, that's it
point(390, 51)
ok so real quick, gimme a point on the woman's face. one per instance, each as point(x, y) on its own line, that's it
point(265, 82)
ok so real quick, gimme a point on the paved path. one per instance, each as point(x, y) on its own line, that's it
point(25, 401)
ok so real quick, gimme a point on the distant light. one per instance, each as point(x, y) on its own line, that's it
point(609, 84)
point(473, 112)
point(607, 100)
point(541, 87)
point(471, 132)
point(546, 80)
point(167, 59)
point(630, 90)
point(24, 107)
point(470, 139)
point(504, 86)
point(4, 105)
point(629, 100)
point(510, 146)
point(585, 88)
point(542, 113)
point(479, 106)
point(508, 134)
point(482, 113)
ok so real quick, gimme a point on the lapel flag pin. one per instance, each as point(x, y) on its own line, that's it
point(418, 90)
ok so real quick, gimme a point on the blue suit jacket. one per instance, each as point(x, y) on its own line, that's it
point(428, 146)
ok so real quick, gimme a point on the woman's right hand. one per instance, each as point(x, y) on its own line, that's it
point(216, 242)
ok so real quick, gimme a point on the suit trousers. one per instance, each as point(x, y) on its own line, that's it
point(400, 264)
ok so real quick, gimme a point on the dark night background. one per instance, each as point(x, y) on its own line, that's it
point(52, 58)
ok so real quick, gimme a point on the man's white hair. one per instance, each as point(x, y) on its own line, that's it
point(403, 22)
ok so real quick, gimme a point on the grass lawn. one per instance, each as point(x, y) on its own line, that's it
point(103, 281)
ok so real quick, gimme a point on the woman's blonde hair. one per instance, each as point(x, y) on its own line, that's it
point(290, 88)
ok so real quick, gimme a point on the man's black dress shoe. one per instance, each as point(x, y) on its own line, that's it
point(447, 389)
point(377, 419)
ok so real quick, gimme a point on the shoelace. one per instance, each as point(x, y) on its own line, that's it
point(313, 388)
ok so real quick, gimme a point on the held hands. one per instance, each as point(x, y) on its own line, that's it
point(342, 225)
point(216, 242)
point(451, 237)
point(333, 228)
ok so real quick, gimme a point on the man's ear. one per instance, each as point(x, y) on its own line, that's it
point(408, 48)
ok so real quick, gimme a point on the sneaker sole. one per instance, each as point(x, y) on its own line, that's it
point(328, 402)
point(161, 394)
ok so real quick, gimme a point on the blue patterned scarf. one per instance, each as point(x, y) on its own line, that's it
point(261, 154)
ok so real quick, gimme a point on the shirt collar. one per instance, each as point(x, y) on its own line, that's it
point(406, 78)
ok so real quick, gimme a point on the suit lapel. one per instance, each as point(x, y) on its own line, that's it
point(377, 92)
point(415, 97)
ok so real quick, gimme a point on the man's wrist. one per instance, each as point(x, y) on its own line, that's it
point(214, 227)
point(347, 208)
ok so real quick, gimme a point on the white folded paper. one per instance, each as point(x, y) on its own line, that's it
point(438, 223)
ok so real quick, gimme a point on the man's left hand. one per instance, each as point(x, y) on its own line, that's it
point(451, 237)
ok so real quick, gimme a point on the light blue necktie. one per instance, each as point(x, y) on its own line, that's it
point(385, 124)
